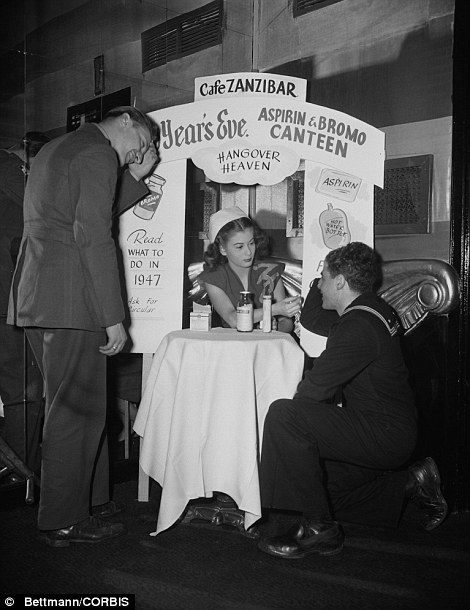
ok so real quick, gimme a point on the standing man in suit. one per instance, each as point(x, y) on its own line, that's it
point(66, 293)
point(21, 385)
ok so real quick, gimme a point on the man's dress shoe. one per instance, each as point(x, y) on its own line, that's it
point(424, 490)
point(109, 509)
point(89, 530)
point(305, 538)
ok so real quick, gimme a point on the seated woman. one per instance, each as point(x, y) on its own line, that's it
point(234, 263)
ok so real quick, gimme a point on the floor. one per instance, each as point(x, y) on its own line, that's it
point(200, 566)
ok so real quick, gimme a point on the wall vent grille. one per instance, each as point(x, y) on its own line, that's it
point(404, 204)
point(183, 35)
point(301, 7)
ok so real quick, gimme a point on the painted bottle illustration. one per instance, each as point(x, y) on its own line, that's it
point(334, 226)
point(146, 208)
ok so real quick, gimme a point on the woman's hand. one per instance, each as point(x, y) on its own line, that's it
point(288, 307)
point(149, 162)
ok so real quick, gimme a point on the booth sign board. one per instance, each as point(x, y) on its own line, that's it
point(247, 128)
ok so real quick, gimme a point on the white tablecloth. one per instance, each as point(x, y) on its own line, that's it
point(202, 413)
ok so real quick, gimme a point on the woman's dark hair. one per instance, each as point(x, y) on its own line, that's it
point(214, 258)
point(358, 263)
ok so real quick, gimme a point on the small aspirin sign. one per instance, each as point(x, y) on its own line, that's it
point(340, 185)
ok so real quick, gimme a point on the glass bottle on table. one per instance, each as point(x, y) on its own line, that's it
point(244, 313)
point(267, 312)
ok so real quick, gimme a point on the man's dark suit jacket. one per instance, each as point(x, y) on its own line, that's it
point(67, 273)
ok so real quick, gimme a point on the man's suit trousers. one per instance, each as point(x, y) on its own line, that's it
point(75, 463)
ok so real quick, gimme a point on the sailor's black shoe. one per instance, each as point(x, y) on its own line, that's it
point(424, 490)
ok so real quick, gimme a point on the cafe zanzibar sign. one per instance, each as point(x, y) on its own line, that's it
point(250, 128)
